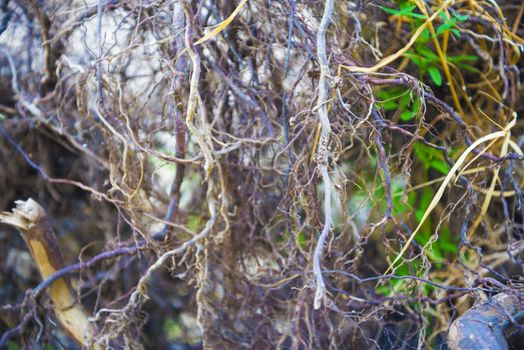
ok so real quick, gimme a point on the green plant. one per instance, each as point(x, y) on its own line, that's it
point(431, 158)
point(399, 99)
point(426, 60)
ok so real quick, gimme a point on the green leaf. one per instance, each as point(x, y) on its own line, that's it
point(402, 271)
point(412, 198)
point(427, 53)
point(173, 329)
point(444, 16)
point(388, 93)
point(11, 345)
point(415, 58)
point(449, 247)
point(404, 4)
point(422, 154)
point(468, 68)
point(456, 32)
point(460, 17)
point(406, 116)
point(462, 58)
point(417, 15)
point(434, 73)
point(389, 105)
point(440, 166)
point(447, 242)
point(425, 200)
point(407, 12)
point(382, 94)
point(405, 100)
point(448, 25)
point(396, 12)
point(302, 240)
point(416, 105)
point(425, 36)
point(421, 62)
point(194, 222)
point(444, 28)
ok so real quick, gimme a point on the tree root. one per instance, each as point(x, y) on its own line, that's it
point(483, 326)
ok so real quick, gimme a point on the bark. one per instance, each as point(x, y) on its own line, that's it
point(483, 326)
point(31, 220)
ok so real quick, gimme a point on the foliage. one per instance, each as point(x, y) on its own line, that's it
point(425, 58)
point(261, 174)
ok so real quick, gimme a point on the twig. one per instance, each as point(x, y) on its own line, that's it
point(68, 270)
point(46, 177)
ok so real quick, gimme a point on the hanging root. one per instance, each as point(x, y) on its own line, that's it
point(323, 153)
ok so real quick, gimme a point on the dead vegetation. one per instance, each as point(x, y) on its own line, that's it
point(263, 174)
